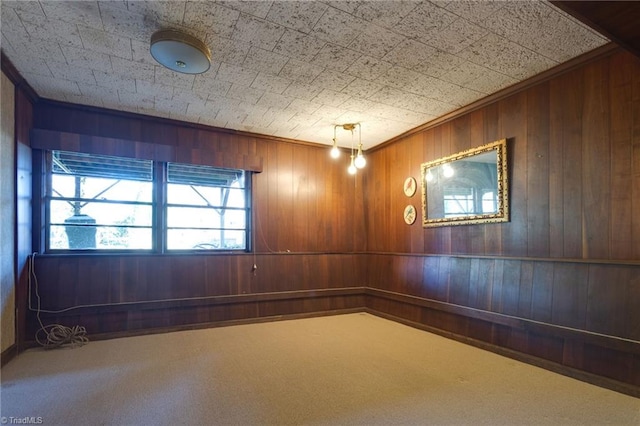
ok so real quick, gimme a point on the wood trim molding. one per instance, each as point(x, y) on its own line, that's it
point(204, 301)
point(520, 258)
point(612, 342)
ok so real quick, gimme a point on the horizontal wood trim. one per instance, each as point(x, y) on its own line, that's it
point(65, 141)
point(613, 342)
point(585, 376)
point(204, 325)
point(204, 301)
point(520, 258)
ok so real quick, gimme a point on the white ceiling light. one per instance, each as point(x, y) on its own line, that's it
point(180, 52)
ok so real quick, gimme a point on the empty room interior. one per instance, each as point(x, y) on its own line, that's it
point(320, 212)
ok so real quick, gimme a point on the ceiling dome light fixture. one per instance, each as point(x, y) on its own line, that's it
point(180, 52)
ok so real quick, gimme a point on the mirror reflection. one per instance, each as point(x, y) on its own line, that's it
point(465, 188)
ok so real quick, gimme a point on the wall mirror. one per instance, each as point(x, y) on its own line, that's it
point(466, 188)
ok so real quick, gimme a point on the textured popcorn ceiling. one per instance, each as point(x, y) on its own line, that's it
point(291, 69)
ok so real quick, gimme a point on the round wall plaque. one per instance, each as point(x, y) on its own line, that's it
point(409, 214)
point(410, 186)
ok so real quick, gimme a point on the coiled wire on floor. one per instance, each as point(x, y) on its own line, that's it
point(54, 335)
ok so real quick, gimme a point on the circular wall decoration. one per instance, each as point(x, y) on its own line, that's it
point(409, 214)
point(410, 186)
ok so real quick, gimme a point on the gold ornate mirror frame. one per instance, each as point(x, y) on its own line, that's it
point(466, 188)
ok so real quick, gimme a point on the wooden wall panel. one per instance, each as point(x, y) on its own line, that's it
point(620, 206)
point(572, 152)
point(596, 176)
point(635, 174)
point(169, 291)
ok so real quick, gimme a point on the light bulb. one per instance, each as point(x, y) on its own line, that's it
point(360, 161)
point(447, 170)
point(352, 167)
point(335, 152)
point(429, 176)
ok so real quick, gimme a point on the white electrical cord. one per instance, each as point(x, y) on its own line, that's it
point(55, 335)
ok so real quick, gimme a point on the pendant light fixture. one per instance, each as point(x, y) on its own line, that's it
point(180, 52)
point(357, 160)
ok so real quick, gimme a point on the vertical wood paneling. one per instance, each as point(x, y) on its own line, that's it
point(607, 298)
point(620, 204)
point(285, 201)
point(632, 318)
point(635, 179)
point(570, 284)
point(430, 281)
point(474, 283)
point(525, 291)
point(596, 163)
point(301, 199)
point(459, 281)
point(514, 234)
point(542, 292)
point(572, 166)
point(557, 122)
point(538, 171)
point(510, 294)
point(485, 279)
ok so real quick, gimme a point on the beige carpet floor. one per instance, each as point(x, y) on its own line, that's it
point(355, 369)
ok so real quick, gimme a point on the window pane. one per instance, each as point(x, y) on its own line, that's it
point(100, 202)
point(205, 196)
point(103, 189)
point(198, 239)
point(206, 208)
point(102, 213)
point(87, 237)
point(191, 217)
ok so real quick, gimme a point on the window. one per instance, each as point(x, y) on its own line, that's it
point(104, 203)
point(205, 208)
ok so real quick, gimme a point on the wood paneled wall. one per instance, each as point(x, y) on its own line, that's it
point(304, 233)
point(114, 293)
point(561, 280)
point(574, 144)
